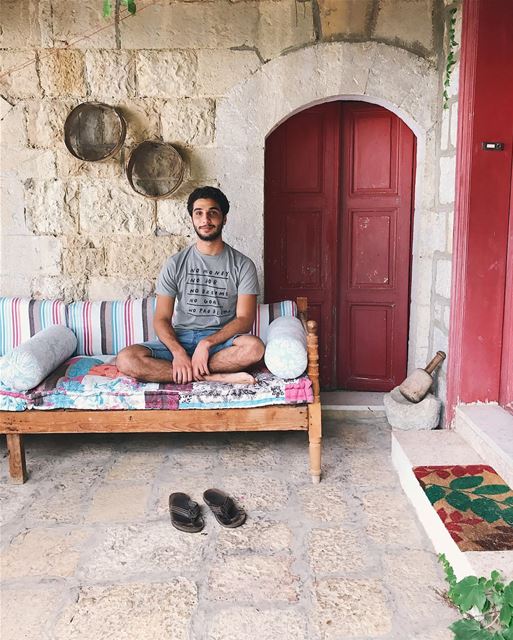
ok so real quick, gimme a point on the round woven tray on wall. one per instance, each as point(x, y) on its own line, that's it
point(94, 131)
point(155, 169)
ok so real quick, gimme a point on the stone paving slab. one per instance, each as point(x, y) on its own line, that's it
point(88, 550)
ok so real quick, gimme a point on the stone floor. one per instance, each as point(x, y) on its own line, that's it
point(88, 551)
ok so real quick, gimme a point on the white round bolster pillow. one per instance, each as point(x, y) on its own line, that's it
point(32, 361)
point(285, 351)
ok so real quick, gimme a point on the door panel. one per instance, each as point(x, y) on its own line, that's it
point(301, 204)
point(374, 251)
point(338, 194)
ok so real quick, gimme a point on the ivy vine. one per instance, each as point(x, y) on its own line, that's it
point(451, 61)
point(107, 7)
point(486, 605)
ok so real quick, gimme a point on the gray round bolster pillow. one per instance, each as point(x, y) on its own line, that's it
point(285, 351)
point(32, 361)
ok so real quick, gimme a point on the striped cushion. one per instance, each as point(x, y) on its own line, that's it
point(266, 313)
point(21, 318)
point(104, 328)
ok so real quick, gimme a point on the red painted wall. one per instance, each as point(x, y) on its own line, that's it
point(482, 202)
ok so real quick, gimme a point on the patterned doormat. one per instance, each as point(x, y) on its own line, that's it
point(473, 502)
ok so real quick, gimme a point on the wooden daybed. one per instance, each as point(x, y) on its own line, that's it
point(304, 417)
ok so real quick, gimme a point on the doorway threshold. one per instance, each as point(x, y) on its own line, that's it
point(352, 400)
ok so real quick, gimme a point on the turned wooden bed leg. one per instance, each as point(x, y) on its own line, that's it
point(16, 450)
point(314, 408)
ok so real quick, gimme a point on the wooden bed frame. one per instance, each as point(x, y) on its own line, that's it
point(305, 417)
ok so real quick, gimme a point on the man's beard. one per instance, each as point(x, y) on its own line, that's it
point(213, 236)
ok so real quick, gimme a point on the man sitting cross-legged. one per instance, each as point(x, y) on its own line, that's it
point(206, 305)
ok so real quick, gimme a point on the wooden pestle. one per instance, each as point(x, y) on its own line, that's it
point(419, 382)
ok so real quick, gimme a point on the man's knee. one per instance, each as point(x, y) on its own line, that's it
point(252, 347)
point(129, 359)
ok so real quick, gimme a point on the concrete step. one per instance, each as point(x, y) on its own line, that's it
point(418, 448)
point(488, 429)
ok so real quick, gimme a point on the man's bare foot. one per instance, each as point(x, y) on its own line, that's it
point(231, 378)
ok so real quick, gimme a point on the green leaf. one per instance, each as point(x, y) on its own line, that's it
point(466, 482)
point(507, 515)
point(469, 630)
point(486, 509)
point(450, 576)
point(459, 500)
point(507, 594)
point(468, 593)
point(492, 489)
point(434, 492)
point(107, 8)
point(508, 500)
point(131, 7)
point(506, 614)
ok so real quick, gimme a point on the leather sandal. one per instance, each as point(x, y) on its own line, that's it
point(226, 512)
point(185, 513)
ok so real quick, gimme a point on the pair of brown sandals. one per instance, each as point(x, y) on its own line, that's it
point(186, 513)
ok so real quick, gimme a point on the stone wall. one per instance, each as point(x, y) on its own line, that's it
point(442, 268)
point(214, 77)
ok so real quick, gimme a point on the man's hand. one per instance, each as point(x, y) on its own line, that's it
point(200, 360)
point(182, 368)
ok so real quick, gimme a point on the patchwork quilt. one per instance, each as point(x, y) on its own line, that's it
point(85, 382)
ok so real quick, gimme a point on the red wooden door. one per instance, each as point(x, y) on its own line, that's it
point(506, 381)
point(301, 221)
point(374, 249)
point(338, 196)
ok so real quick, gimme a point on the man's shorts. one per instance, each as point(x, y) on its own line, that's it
point(189, 339)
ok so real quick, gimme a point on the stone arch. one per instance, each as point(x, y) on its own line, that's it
point(382, 74)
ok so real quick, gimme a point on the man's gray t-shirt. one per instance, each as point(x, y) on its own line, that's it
point(205, 287)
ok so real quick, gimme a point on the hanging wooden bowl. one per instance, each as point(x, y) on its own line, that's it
point(94, 131)
point(155, 169)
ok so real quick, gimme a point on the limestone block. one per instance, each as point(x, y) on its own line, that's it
point(70, 167)
point(45, 122)
point(443, 277)
point(62, 287)
point(283, 25)
point(118, 503)
point(42, 552)
point(51, 206)
point(173, 217)
point(352, 608)
point(116, 288)
point(223, 25)
point(20, 20)
point(257, 492)
point(406, 21)
point(28, 612)
point(110, 74)
point(62, 72)
point(255, 535)
point(83, 256)
point(188, 121)
point(349, 18)
point(432, 230)
point(140, 257)
point(447, 179)
point(453, 129)
point(450, 230)
point(337, 550)
point(13, 132)
point(406, 415)
point(446, 317)
point(326, 504)
point(31, 254)
point(444, 133)
point(12, 211)
point(29, 163)
point(82, 26)
point(107, 210)
point(203, 164)
point(133, 611)
point(143, 549)
point(242, 622)
point(407, 81)
point(142, 119)
point(252, 578)
point(166, 73)
point(18, 75)
point(219, 70)
point(5, 107)
point(390, 521)
point(14, 284)
point(454, 81)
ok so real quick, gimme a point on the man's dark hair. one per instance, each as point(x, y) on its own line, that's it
point(208, 192)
